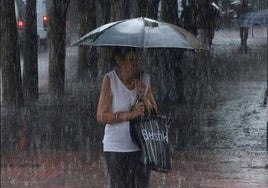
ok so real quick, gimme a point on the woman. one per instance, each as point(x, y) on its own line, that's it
point(243, 31)
point(117, 105)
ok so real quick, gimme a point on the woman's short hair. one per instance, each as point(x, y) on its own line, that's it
point(122, 51)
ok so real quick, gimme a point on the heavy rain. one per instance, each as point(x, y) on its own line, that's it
point(216, 97)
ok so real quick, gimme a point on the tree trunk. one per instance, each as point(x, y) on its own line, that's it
point(0, 51)
point(141, 8)
point(152, 8)
point(87, 59)
point(57, 36)
point(169, 11)
point(0, 65)
point(120, 9)
point(105, 11)
point(112, 10)
point(147, 8)
point(104, 59)
point(11, 70)
point(30, 74)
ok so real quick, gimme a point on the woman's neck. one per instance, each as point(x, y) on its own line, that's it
point(127, 79)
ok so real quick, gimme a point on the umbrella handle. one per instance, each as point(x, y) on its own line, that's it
point(146, 81)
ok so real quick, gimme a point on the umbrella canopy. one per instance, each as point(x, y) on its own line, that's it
point(141, 33)
point(259, 18)
point(236, 3)
point(215, 6)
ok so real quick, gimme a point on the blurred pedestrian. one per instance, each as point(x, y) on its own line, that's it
point(117, 106)
point(207, 20)
point(188, 17)
point(242, 9)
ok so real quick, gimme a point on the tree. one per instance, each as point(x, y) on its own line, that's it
point(57, 36)
point(141, 7)
point(112, 10)
point(147, 8)
point(87, 60)
point(11, 70)
point(120, 9)
point(30, 71)
point(0, 44)
point(0, 67)
point(105, 7)
point(169, 13)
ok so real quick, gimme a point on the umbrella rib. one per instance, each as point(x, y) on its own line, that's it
point(98, 34)
point(185, 36)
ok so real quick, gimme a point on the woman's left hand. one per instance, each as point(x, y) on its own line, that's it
point(149, 105)
point(141, 88)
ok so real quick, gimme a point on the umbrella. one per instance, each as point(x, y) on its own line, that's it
point(236, 3)
point(141, 33)
point(259, 18)
point(215, 6)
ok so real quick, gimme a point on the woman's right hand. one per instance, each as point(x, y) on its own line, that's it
point(138, 109)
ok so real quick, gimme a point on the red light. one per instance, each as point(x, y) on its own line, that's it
point(45, 18)
point(21, 24)
point(45, 22)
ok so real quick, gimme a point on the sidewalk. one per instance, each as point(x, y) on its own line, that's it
point(190, 170)
point(227, 151)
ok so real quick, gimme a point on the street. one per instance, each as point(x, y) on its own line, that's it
point(218, 137)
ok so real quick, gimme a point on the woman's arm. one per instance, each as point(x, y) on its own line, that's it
point(104, 114)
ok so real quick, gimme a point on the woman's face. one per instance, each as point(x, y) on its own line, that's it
point(131, 63)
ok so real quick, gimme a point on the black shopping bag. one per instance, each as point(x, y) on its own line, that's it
point(151, 133)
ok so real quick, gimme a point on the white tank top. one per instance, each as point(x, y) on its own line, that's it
point(117, 136)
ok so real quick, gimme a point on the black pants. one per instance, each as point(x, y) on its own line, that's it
point(244, 37)
point(126, 170)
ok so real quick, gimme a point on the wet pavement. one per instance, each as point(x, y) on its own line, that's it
point(218, 136)
point(190, 169)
